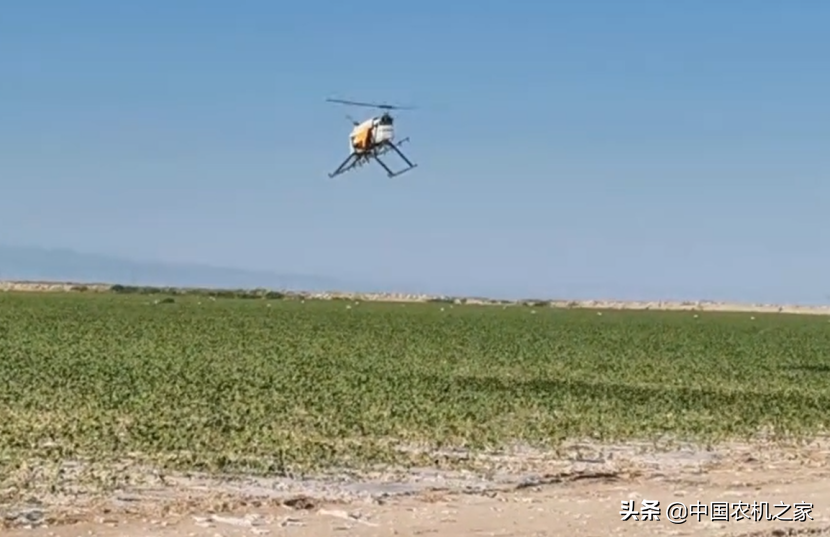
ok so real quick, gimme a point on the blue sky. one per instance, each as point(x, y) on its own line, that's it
point(592, 148)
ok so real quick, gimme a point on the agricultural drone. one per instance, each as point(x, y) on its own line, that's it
point(372, 138)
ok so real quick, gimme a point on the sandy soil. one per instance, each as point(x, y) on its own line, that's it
point(525, 494)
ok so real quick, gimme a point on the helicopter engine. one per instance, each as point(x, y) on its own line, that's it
point(384, 129)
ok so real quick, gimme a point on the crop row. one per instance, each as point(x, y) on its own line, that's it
point(271, 386)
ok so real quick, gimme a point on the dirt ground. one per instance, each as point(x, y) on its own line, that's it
point(578, 493)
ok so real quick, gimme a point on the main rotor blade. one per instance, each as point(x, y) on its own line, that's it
point(370, 105)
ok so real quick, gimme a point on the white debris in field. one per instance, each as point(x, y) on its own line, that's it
point(342, 514)
point(250, 520)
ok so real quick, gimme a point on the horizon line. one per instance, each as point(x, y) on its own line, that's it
point(57, 286)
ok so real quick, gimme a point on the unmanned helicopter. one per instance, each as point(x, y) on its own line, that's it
point(372, 138)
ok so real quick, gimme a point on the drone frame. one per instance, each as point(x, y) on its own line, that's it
point(358, 159)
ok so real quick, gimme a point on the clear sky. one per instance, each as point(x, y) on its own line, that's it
point(585, 148)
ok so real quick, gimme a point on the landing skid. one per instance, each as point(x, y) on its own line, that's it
point(356, 160)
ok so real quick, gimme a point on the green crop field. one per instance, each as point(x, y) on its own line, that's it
point(269, 386)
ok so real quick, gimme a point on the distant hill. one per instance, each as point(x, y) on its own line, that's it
point(32, 263)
